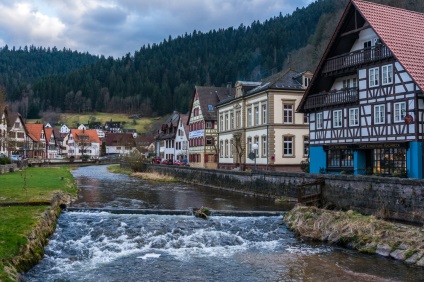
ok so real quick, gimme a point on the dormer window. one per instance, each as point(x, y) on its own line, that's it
point(210, 107)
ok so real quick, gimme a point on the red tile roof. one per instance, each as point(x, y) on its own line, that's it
point(402, 31)
point(48, 131)
point(91, 133)
point(34, 130)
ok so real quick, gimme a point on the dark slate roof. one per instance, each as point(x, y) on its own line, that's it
point(212, 96)
point(282, 80)
point(119, 139)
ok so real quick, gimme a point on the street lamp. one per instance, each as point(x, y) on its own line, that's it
point(255, 150)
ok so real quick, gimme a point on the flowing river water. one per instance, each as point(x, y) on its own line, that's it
point(102, 246)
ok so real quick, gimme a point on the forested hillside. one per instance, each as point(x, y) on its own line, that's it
point(159, 78)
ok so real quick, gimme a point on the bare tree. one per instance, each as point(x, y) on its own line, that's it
point(238, 147)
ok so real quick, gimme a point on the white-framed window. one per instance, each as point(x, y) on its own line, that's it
point(379, 114)
point(249, 144)
point(337, 118)
point(221, 149)
point(400, 111)
point(264, 114)
point(231, 148)
point(354, 117)
point(256, 141)
point(238, 119)
point(208, 124)
point(288, 113)
point(306, 146)
point(387, 74)
point(226, 122)
point(256, 109)
point(288, 149)
point(319, 120)
point(227, 148)
point(231, 120)
point(221, 123)
point(264, 146)
point(249, 116)
point(374, 77)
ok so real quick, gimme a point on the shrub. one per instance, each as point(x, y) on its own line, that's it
point(304, 165)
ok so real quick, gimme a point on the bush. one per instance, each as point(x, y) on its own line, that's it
point(304, 165)
point(5, 160)
point(136, 161)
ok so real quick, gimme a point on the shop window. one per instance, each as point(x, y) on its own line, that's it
point(340, 158)
point(391, 161)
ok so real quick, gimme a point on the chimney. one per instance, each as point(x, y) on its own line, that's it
point(229, 88)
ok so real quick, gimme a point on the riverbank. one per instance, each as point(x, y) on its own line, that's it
point(143, 175)
point(365, 234)
point(29, 206)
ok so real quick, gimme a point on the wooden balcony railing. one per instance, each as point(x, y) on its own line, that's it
point(356, 58)
point(332, 98)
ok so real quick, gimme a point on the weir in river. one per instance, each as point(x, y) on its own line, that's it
point(102, 238)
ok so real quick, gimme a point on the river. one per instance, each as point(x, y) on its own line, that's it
point(101, 246)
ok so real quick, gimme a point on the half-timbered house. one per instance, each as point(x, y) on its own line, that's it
point(203, 128)
point(365, 101)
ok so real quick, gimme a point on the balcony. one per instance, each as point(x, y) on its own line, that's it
point(354, 59)
point(332, 98)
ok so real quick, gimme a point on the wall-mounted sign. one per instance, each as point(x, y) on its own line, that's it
point(196, 133)
point(409, 119)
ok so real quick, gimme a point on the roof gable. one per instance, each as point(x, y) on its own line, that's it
point(34, 131)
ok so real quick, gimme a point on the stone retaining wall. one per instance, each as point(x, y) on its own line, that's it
point(389, 198)
point(8, 168)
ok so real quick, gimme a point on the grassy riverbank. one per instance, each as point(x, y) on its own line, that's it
point(144, 175)
point(366, 234)
point(29, 186)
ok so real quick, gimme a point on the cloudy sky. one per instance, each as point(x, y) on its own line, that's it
point(117, 27)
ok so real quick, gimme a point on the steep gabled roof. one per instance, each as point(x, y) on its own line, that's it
point(49, 131)
point(91, 133)
point(282, 80)
point(402, 31)
point(211, 96)
point(34, 131)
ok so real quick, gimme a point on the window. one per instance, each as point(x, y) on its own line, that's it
point(249, 144)
point(354, 117)
point(256, 141)
point(346, 83)
point(221, 149)
point(238, 119)
point(367, 44)
point(227, 149)
point(210, 107)
point(231, 148)
point(287, 113)
point(379, 114)
point(196, 112)
point(374, 74)
point(288, 146)
point(306, 146)
point(400, 111)
point(249, 117)
point(256, 115)
point(305, 118)
point(340, 158)
point(209, 124)
point(264, 114)
point(226, 122)
point(337, 118)
point(221, 123)
point(319, 120)
point(387, 74)
point(231, 120)
point(209, 140)
point(389, 160)
point(264, 146)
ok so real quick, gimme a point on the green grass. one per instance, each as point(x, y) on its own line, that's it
point(118, 169)
point(17, 221)
point(35, 184)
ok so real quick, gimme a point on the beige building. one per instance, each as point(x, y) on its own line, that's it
point(203, 128)
point(259, 127)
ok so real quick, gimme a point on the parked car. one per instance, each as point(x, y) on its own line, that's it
point(15, 157)
point(156, 160)
point(166, 161)
point(58, 157)
point(181, 163)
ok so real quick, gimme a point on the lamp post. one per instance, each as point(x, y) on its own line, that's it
point(255, 150)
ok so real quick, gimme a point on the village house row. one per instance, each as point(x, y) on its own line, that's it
point(361, 112)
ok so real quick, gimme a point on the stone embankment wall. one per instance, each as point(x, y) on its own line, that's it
point(32, 252)
point(389, 198)
point(8, 168)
